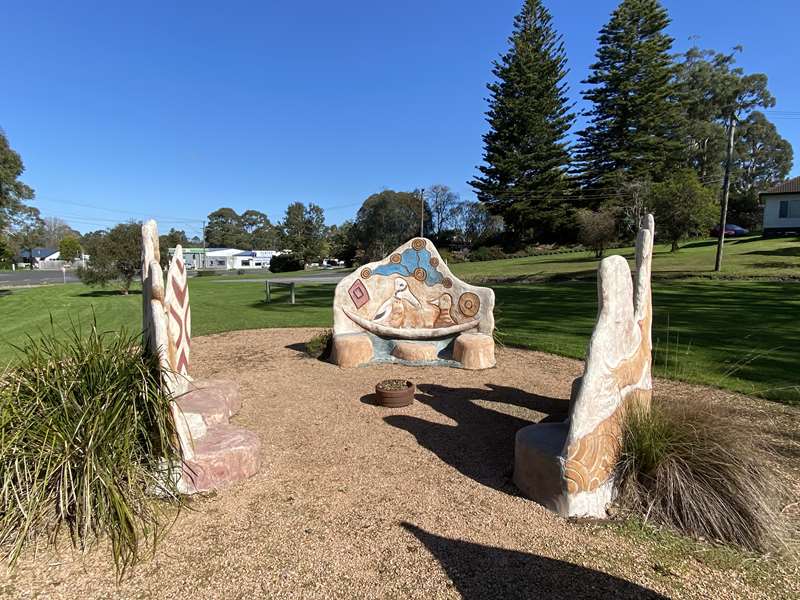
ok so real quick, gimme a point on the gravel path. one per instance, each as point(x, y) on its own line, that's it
point(357, 501)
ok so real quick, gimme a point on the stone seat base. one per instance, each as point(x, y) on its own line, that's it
point(474, 351)
point(351, 349)
point(224, 455)
point(537, 463)
point(214, 400)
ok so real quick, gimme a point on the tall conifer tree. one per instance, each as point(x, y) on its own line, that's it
point(635, 120)
point(525, 152)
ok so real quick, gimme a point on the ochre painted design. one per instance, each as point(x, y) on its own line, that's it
point(418, 244)
point(434, 261)
point(591, 461)
point(469, 304)
point(366, 273)
point(358, 293)
point(395, 258)
point(420, 274)
point(447, 282)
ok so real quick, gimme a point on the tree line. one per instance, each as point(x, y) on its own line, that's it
point(655, 137)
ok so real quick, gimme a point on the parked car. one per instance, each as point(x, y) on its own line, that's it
point(730, 231)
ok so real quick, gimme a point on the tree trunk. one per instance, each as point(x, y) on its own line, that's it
point(674, 246)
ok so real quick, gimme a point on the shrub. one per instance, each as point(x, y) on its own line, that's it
point(84, 435)
point(683, 467)
point(320, 345)
point(487, 253)
point(208, 273)
point(597, 230)
point(283, 263)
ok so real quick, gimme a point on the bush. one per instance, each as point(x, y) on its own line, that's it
point(487, 253)
point(283, 263)
point(208, 273)
point(320, 345)
point(84, 432)
point(683, 467)
point(597, 230)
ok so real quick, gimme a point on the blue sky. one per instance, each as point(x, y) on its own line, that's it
point(173, 109)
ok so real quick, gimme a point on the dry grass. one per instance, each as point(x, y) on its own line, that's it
point(688, 468)
point(354, 500)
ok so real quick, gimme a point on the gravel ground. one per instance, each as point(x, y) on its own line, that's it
point(357, 501)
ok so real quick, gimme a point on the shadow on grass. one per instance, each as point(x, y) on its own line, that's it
point(481, 443)
point(107, 294)
point(792, 251)
point(479, 571)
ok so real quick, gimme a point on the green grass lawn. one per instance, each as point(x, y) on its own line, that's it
point(748, 257)
point(740, 333)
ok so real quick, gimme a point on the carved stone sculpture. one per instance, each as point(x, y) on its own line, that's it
point(569, 466)
point(214, 452)
point(410, 308)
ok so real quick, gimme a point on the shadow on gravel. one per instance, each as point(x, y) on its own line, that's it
point(481, 444)
point(479, 571)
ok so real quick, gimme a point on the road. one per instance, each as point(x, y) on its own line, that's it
point(24, 277)
point(321, 278)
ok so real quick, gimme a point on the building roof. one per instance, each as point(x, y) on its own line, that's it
point(790, 186)
point(38, 252)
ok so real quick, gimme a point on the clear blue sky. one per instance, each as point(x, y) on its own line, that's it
point(173, 109)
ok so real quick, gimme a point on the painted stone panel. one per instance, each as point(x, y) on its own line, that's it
point(411, 295)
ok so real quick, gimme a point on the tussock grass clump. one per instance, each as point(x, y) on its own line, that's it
point(684, 467)
point(320, 345)
point(85, 430)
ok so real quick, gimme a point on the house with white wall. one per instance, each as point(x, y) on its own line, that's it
point(782, 208)
point(226, 258)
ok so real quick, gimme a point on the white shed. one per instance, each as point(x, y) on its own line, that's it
point(782, 208)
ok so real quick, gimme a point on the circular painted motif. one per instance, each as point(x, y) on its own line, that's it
point(447, 282)
point(420, 274)
point(366, 273)
point(418, 244)
point(469, 304)
point(395, 258)
point(434, 261)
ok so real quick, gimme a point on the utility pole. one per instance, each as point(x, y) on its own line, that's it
point(726, 186)
point(203, 261)
point(421, 211)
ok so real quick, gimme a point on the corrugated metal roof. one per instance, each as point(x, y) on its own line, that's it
point(790, 186)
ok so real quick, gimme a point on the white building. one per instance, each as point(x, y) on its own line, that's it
point(226, 258)
point(782, 208)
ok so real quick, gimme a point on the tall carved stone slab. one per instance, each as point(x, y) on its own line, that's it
point(159, 332)
point(410, 308)
point(582, 452)
point(214, 452)
point(179, 315)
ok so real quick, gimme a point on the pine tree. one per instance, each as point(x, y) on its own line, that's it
point(634, 128)
point(525, 152)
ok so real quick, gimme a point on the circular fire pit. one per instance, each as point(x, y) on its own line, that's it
point(395, 393)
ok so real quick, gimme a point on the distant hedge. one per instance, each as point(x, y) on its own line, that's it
point(286, 262)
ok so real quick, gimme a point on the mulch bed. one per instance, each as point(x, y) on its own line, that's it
point(354, 500)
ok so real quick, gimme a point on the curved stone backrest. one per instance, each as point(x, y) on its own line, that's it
point(617, 373)
point(411, 295)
